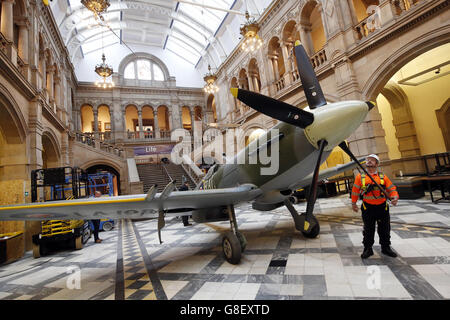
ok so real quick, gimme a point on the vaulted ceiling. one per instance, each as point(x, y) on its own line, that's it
point(186, 28)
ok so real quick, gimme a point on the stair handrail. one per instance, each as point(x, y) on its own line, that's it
point(167, 172)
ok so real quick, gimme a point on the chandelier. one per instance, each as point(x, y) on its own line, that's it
point(250, 30)
point(96, 6)
point(104, 71)
point(210, 80)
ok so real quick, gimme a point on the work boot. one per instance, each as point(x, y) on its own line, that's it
point(367, 253)
point(388, 251)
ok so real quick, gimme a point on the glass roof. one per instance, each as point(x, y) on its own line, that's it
point(180, 27)
point(185, 28)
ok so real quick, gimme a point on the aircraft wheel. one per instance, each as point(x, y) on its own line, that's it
point(242, 241)
point(314, 231)
point(231, 247)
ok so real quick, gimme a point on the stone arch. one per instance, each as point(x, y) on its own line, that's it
point(14, 121)
point(402, 119)
point(275, 57)
point(117, 169)
point(164, 125)
point(100, 167)
point(243, 79)
point(398, 59)
point(131, 113)
point(312, 26)
point(211, 107)
point(290, 33)
point(254, 75)
point(87, 118)
point(104, 118)
point(51, 150)
point(443, 117)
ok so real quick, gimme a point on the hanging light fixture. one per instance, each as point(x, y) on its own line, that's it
point(210, 80)
point(104, 71)
point(96, 6)
point(250, 30)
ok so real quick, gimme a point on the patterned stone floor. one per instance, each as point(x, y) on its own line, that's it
point(278, 263)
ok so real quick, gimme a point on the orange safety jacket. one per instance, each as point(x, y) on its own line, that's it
point(375, 195)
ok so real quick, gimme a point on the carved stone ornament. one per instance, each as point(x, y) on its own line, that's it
point(329, 7)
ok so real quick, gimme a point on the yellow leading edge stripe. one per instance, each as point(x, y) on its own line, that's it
point(50, 205)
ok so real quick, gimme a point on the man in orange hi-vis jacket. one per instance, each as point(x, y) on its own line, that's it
point(375, 208)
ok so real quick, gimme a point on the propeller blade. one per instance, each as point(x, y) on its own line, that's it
point(343, 145)
point(311, 86)
point(274, 108)
point(313, 189)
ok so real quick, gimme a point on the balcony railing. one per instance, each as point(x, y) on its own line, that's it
point(319, 58)
point(295, 75)
point(88, 139)
point(279, 84)
point(401, 6)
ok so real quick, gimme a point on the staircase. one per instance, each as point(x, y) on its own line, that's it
point(151, 174)
point(177, 172)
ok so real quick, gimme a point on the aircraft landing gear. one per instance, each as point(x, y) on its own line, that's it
point(309, 227)
point(234, 242)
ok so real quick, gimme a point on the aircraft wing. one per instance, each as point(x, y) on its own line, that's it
point(131, 206)
point(330, 172)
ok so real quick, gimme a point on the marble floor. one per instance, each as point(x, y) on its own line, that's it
point(278, 263)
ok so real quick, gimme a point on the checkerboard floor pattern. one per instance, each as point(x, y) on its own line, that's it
point(278, 263)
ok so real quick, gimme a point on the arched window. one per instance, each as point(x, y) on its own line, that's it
point(143, 69)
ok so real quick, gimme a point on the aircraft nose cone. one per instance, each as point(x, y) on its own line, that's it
point(336, 122)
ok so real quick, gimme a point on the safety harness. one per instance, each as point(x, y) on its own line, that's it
point(371, 187)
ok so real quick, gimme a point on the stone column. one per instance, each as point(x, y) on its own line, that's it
point(141, 130)
point(169, 112)
point(287, 64)
point(7, 27)
point(112, 122)
point(58, 92)
point(50, 74)
point(255, 83)
point(79, 124)
point(155, 122)
point(192, 119)
point(274, 60)
point(305, 39)
point(23, 41)
point(124, 124)
point(43, 70)
point(250, 83)
point(95, 129)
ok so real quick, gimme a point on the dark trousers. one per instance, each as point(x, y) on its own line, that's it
point(185, 220)
point(378, 214)
point(96, 224)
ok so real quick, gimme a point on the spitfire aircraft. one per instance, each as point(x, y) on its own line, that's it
point(304, 137)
